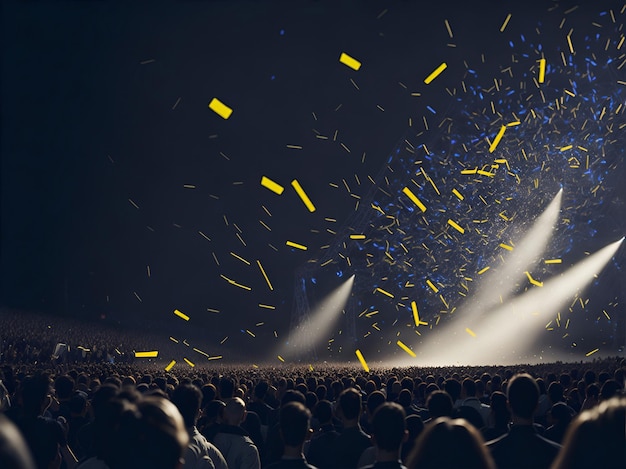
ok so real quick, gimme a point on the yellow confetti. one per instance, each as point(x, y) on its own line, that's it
point(405, 348)
point(506, 246)
point(359, 355)
point(240, 258)
point(470, 332)
point(357, 236)
point(271, 185)
point(553, 261)
point(496, 140)
point(566, 147)
point(569, 42)
point(592, 352)
point(506, 21)
point(305, 198)
point(189, 362)
point(181, 315)
point(406, 191)
point(483, 270)
point(152, 354)
point(296, 245)
point(416, 316)
point(469, 171)
point(384, 292)
point(232, 282)
point(533, 281)
point(458, 194)
point(432, 285)
point(220, 108)
point(269, 284)
point(281, 359)
point(351, 62)
point(170, 365)
point(542, 70)
point(435, 73)
point(456, 226)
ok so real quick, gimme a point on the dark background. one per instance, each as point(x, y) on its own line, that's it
point(86, 126)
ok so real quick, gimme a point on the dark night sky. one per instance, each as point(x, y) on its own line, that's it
point(86, 127)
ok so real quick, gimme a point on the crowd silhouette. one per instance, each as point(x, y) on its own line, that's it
point(97, 414)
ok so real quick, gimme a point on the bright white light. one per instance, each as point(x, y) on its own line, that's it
point(499, 283)
point(319, 322)
point(507, 332)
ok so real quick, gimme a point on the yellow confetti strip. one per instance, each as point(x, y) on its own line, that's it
point(456, 226)
point(483, 270)
point(470, 332)
point(281, 359)
point(181, 315)
point(542, 70)
point(384, 292)
point(170, 365)
point(506, 21)
point(359, 355)
point(200, 352)
point(496, 140)
point(271, 185)
point(152, 354)
point(261, 305)
point(533, 281)
point(405, 348)
point(469, 171)
point(305, 198)
point(506, 246)
point(189, 362)
point(357, 236)
point(416, 316)
point(269, 284)
point(553, 261)
point(592, 352)
point(296, 245)
point(232, 282)
point(406, 191)
point(432, 285)
point(217, 357)
point(220, 108)
point(351, 62)
point(566, 147)
point(458, 194)
point(435, 73)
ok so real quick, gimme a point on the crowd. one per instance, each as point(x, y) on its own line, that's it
point(99, 414)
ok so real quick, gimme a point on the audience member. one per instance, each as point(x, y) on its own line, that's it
point(14, 452)
point(233, 441)
point(295, 429)
point(321, 445)
point(450, 444)
point(353, 440)
point(596, 438)
point(522, 447)
point(389, 432)
point(200, 453)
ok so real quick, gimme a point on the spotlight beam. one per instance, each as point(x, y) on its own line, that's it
point(498, 284)
point(319, 321)
point(508, 331)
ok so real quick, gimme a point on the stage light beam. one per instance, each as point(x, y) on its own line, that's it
point(319, 322)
